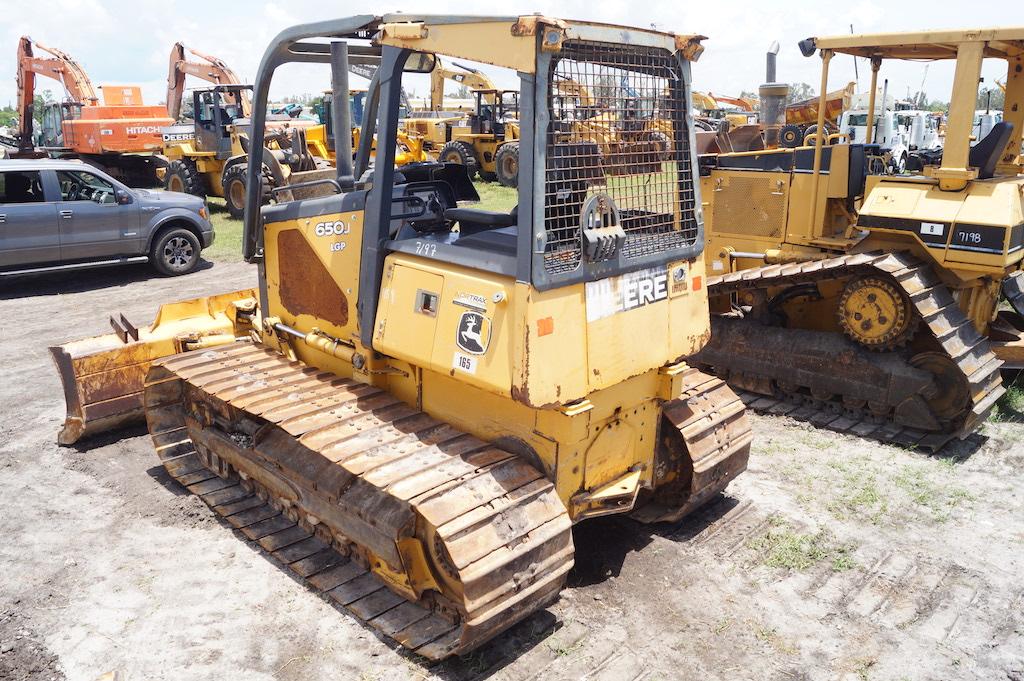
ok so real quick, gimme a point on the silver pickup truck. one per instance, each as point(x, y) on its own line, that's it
point(68, 215)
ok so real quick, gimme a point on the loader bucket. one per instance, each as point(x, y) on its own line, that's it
point(104, 376)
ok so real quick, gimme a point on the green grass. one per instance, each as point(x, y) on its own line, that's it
point(782, 547)
point(934, 491)
point(227, 247)
point(1010, 407)
point(495, 197)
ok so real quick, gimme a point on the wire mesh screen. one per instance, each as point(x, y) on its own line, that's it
point(618, 130)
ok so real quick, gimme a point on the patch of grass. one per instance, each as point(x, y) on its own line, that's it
point(782, 547)
point(1010, 407)
point(862, 666)
point(936, 496)
point(723, 625)
point(495, 197)
point(771, 637)
point(857, 494)
point(815, 439)
point(227, 247)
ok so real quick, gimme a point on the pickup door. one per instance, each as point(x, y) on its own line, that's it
point(93, 225)
point(28, 223)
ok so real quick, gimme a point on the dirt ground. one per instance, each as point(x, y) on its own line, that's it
point(831, 558)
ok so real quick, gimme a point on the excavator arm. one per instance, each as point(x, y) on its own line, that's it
point(210, 69)
point(60, 67)
point(743, 103)
point(468, 76)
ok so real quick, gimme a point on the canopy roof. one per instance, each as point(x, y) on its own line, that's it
point(1000, 43)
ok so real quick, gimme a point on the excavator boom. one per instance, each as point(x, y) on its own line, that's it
point(472, 78)
point(60, 67)
point(210, 69)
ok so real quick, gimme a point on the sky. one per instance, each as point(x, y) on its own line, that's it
point(128, 41)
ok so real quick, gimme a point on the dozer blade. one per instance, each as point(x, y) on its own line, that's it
point(436, 539)
point(104, 376)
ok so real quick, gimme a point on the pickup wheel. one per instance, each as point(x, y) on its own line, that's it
point(183, 176)
point(235, 180)
point(175, 251)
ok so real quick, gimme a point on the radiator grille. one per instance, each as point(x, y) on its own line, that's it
point(618, 127)
point(749, 205)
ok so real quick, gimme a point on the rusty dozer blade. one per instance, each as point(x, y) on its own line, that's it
point(104, 376)
point(434, 538)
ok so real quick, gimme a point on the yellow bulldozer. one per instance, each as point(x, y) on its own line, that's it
point(872, 304)
point(420, 398)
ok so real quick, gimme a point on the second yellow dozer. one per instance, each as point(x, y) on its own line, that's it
point(429, 396)
point(875, 304)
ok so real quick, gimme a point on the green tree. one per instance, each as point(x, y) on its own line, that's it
point(990, 97)
point(799, 92)
point(39, 103)
point(8, 116)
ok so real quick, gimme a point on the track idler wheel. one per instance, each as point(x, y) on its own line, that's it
point(875, 313)
point(952, 393)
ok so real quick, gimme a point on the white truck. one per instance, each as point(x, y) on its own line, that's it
point(892, 138)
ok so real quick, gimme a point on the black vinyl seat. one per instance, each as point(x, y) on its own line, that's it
point(985, 154)
point(474, 220)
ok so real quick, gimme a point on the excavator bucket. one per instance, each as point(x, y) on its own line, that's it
point(104, 376)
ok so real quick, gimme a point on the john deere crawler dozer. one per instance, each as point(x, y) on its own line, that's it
point(870, 304)
point(430, 395)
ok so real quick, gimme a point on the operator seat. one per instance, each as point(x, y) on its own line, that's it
point(985, 154)
point(473, 220)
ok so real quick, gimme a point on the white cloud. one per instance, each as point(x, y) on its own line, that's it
point(122, 41)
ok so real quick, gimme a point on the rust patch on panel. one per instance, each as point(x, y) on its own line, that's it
point(306, 285)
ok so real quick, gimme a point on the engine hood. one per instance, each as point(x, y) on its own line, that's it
point(166, 199)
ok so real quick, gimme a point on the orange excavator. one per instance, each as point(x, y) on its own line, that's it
point(210, 69)
point(119, 134)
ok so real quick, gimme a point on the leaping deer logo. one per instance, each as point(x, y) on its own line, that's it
point(472, 335)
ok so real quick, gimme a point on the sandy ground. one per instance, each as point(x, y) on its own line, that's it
point(831, 558)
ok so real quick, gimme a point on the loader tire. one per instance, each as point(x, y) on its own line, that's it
point(506, 163)
point(235, 183)
point(183, 176)
point(790, 136)
point(462, 153)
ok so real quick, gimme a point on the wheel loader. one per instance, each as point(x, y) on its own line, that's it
point(486, 141)
point(422, 397)
point(871, 304)
point(209, 156)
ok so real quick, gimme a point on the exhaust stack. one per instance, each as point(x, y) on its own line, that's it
point(773, 99)
point(341, 114)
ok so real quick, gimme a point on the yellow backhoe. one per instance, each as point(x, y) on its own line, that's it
point(871, 304)
point(424, 397)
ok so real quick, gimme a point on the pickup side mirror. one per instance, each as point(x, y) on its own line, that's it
point(123, 197)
